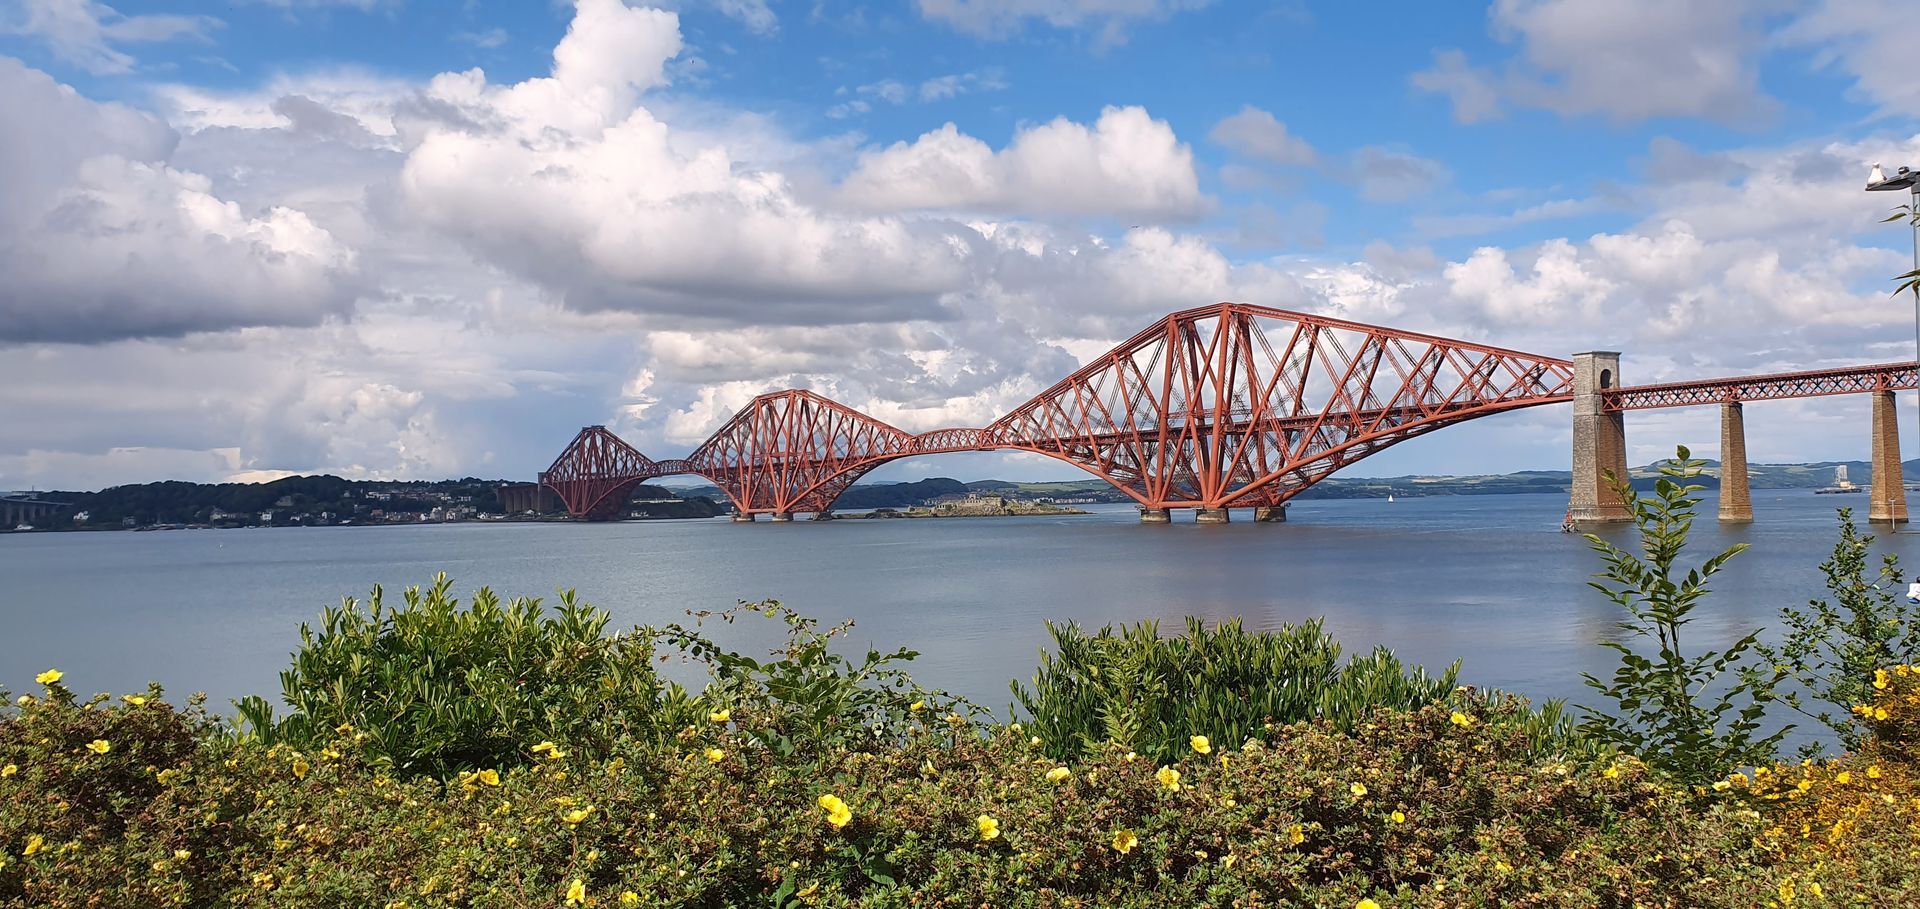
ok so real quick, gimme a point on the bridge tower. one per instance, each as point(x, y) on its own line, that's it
point(1599, 441)
point(1736, 498)
point(1888, 489)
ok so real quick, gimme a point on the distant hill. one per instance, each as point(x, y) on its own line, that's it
point(1761, 476)
point(318, 500)
point(330, 500)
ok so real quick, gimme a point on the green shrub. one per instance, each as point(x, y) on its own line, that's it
point(1832, 649)
point(1130, 686)
point(83, 779)
point(808, 695)
point(1695, 717)
point(1409, 808)
point(434, 688)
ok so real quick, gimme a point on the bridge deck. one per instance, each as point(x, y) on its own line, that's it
point(1809, 384)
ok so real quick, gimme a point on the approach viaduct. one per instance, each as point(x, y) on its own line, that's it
point(1233, 407)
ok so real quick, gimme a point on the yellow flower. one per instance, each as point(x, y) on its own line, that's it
point(1058, 775)
point(1399, 817)
point(917, 706)
point(1124, 841)
point(989, 828)
point(1786, 891)
point(1461, 720)
point(1721, 785)
point(629, 898)
point(34, 844)
point(49, 677)
point(1880, 679)
point(720, 716)
point(300, 768)
point(715, 755)
point(99, 746)
point(576, 893)
point(577, 815)
point(1200, 744)
point(1359, 790)
point(489, 776)
point(1813, 887)
point(1612, 772)
point(181, 855)
point(1873, 772)
point(838, 814)
point(1168, 777)
point(9, 770)
point(1880, 713)
point(1296, 834)
point(136, 700)
point(1843, 778)
point(1368, 903)
point(543, 748)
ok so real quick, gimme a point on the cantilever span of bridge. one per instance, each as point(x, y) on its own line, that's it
point(1227, 407)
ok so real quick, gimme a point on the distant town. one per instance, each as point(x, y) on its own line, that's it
point(330, 501)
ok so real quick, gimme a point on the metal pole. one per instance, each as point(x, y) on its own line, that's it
point(1913, 215)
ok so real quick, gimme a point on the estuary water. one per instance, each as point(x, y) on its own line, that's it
point(1489, 580)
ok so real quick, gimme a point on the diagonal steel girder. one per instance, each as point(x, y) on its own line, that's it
point(1222, 406)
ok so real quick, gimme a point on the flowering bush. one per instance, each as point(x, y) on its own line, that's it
point(436, 688)
point(1845, 828)
point(1833, 649)
point(1438, 806)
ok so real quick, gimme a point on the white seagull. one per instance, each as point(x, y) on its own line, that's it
point(1876, 175)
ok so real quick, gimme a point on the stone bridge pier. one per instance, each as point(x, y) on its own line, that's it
point(1889, 489)
point(1600, 403)
point(1599, 441)
point(1736, 500)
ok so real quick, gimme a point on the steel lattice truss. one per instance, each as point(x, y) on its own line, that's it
point(1225, 406)
point(796, 451)
point(597, 472)
point(1813, 384)
point(1234, 406)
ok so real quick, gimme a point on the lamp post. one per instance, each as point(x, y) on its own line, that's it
point(1909, 180)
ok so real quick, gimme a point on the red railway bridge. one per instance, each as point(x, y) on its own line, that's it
point(1223, 407)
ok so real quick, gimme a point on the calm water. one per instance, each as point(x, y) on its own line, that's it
point(1487, 579)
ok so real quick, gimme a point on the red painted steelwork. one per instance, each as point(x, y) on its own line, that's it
point(1811, 384)
point(1223, 406)
point(596, 473)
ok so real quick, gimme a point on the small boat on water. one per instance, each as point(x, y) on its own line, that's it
point(1841, 485)
point(1389, 498)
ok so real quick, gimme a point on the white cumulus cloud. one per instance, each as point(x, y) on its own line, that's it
point(101, 238)
point(1127, 164)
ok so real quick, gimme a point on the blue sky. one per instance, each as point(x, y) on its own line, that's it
point(291, 236)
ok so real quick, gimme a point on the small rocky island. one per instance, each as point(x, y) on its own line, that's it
point(974, 505)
